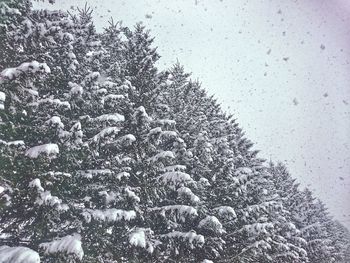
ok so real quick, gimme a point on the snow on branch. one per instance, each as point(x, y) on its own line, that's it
point(45, 197)
point(112, 97)
point(138, 238)
point(225, 212)
point(2, 100)
point(173, 168)
point(211, 223)
point(126, 139)
point(76, 90)
point(53, 103)
point(89, 174)
point(178, 212)
point(69, 245)
point(131, 194)
point(109, 215)
point(5, 9)
point(15, 144)
point(108, 196)
point(166, 122)
point(141, 111)
point(36, 184)
point(9, 74)
point(191, 237)
point(110, 118)
point(259, 244)
point(55, 121)
point(50, 150)
point(258, 228)
point(186, 192)
point(162, 155)
point(110, 131)
point(169, 134)
point(18, 255)
point(122, 175)
point(175, 178)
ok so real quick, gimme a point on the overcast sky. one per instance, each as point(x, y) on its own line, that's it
point(281, 67)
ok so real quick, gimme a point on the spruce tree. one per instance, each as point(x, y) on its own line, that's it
point(105, 158)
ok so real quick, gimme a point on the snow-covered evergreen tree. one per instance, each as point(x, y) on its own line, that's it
point(239, 185)
point(104, 158)
point(310, 216)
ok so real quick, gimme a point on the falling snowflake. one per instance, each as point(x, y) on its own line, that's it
point(295, 101)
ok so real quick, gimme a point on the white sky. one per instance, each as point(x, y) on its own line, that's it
point(281, 67)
